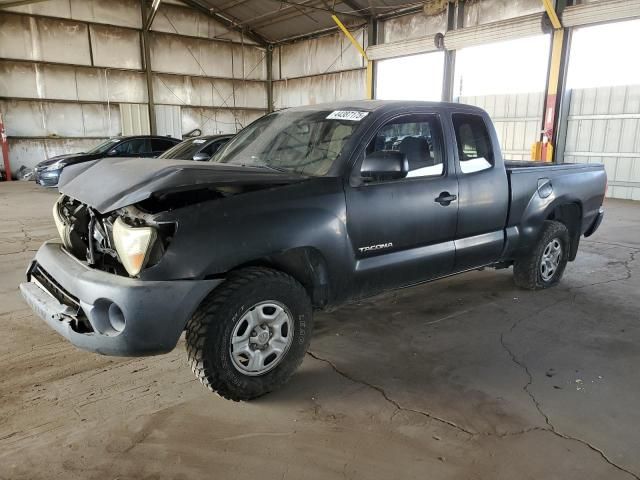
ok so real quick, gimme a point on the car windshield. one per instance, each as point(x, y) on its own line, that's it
point(105, 146)
point(185, 150)
point(304, 142)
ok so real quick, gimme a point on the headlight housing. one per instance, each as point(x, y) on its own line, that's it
point(133, 245)
point(54, 166)
point(63, 228)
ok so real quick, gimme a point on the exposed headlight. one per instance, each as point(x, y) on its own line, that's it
point(133, 245)
point(63, 228)
point(54, 166)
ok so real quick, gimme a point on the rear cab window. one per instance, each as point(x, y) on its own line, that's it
point(475, 151)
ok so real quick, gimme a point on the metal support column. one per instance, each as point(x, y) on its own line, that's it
point(269, 59)
point(147, 19)
point(372, 30)
point(556, 78)
point(5, 150)
point(455, 20)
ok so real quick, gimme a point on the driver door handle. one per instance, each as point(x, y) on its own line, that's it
point(446, 198)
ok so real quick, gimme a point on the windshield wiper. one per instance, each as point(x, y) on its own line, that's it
point(277, 169)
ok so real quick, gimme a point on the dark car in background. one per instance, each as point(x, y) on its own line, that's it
point(197, 148)
point(47, 173)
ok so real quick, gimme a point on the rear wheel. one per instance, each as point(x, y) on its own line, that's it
point(544, 266)
point(250, 336)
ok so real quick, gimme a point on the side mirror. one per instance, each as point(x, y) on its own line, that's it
point(112, 152)
point(385, 165)
point(201, 157)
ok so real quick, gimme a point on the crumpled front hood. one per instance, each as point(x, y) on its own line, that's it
point(113, 183)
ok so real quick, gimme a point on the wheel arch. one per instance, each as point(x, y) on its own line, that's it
point(305, 264)
point(570, 215)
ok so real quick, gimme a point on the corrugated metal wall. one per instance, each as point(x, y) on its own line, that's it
point(517, 118)
point(324, 69)
point(604, 127)
point(67, 67)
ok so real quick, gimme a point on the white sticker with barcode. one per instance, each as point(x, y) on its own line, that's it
point(352, 115)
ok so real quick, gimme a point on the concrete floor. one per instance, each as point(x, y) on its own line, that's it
point(465, 378)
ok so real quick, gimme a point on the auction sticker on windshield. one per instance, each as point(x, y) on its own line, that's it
point(352, 115)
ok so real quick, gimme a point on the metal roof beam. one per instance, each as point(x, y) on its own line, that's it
point(290, 11)
point(19, 3)
point(356, 7)
point(151, 15)
point(228, 21)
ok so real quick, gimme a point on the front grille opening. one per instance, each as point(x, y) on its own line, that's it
point(79, 322)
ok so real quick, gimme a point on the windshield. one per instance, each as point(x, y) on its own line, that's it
point(105, 146)
point(185, 150)
point(304, 142)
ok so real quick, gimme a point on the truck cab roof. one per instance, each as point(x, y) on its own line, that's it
point(382, 106)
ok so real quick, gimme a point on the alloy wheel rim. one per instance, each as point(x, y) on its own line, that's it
point(551, 258)
point(261, 338)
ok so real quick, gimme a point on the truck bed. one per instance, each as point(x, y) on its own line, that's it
point(579, 183)
point(528, 165)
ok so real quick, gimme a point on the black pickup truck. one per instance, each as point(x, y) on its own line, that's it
point(305, 209)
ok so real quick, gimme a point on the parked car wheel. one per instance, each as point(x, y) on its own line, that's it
point(251, 334)
point(544, 266)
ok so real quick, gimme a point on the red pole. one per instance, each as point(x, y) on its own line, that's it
point(5, 150)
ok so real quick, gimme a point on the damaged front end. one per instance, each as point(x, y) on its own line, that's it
point(122, 242)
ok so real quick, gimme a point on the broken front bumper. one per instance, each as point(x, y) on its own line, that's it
point(107, 313)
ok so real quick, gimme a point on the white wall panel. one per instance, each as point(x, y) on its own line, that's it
point(115, 47)
point(604, 127)
point(319, 89)
point(517, 118)
point(413, 26)
point(249, 62)
point(29, 152)
point(172, 54)
point(45, 39)
point(169, 120)
point(330, 53)
point(212, 121)
point(45, 119)
point(196, 91)
point(125, 13)
point(487, 11)
point(184, 21)
point(192, 56)
point(52, 8)
point(60, 82)
point(135, 119)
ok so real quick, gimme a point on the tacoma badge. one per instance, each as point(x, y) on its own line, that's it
point(380, 246)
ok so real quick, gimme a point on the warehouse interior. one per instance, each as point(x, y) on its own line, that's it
point(468, 377)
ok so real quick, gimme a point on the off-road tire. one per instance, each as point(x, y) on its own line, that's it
point(208, 332)
point(526, 269)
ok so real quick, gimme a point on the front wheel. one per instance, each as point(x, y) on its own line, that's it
point(544, 266)
point(251, 334)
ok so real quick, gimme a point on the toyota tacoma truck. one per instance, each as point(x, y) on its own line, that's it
point(305, 209)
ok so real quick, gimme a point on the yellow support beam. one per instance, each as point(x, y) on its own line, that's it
point(369, 77)
point(553, 16)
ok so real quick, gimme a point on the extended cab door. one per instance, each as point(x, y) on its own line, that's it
point(483, 200)
point(402, 231)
